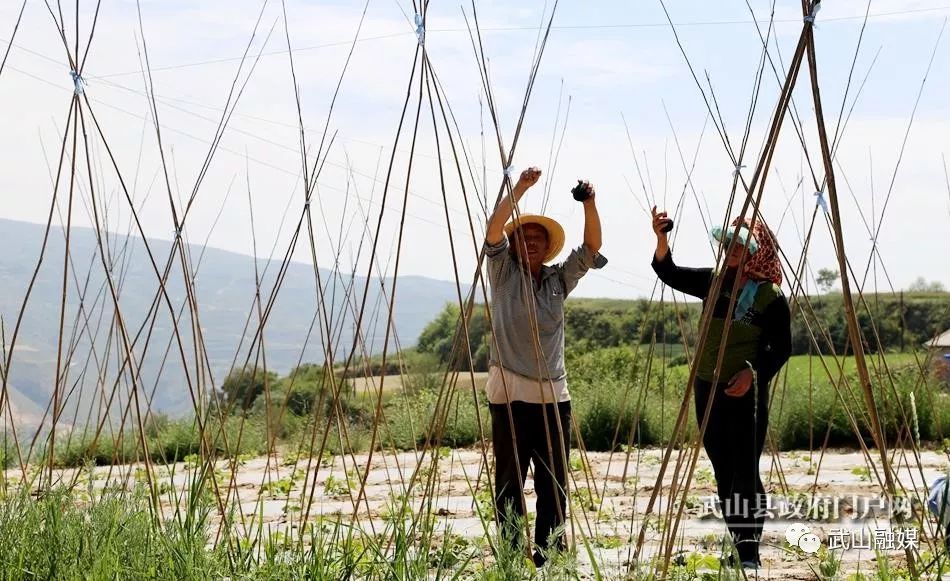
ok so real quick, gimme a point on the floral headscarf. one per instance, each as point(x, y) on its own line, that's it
point(764, 263)
point(761, 264)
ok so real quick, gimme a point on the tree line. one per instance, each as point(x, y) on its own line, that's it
point(892, 322)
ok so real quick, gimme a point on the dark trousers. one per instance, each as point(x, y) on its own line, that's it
point(549, 460)
point(734, 441)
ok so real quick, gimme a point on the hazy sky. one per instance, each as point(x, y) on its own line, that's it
point(618, 61)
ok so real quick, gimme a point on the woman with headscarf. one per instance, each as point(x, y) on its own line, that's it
point(757, 339)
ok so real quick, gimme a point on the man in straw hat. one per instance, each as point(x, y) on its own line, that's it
point(527, 387)
point(751, 325)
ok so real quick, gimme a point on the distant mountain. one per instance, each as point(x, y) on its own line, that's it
point(225, 289)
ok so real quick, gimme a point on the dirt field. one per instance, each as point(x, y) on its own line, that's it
point(609, 502)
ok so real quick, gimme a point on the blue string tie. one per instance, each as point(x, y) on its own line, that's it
point(420, 29)
point(78, 82)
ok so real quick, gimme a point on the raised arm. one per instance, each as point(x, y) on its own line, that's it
point(496, 224)
point(592, 236)
point(660, 220)
point(587, 256)
point(692, 281)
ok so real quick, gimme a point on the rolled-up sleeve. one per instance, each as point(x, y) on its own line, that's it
point(500, 262)
point(576, 266)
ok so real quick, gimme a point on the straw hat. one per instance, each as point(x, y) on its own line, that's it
point(554, 230)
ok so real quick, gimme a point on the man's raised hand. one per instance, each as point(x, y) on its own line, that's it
point(528, 178)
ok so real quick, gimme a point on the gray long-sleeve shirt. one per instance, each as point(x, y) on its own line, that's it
point(515, 346)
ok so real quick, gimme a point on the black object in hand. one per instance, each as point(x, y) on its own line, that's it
point(668, 227)
point(581, 191)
